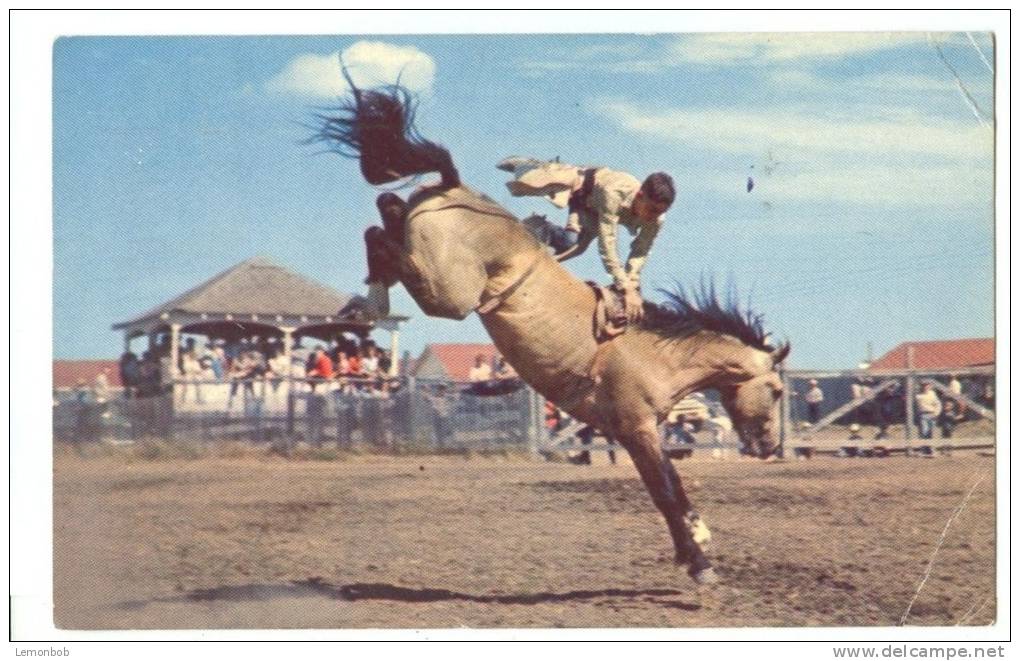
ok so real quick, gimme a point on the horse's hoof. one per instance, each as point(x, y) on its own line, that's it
point(706, 576)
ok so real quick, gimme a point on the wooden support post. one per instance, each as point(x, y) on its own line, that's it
point(175, 351)
point(909, 390)
point(784, 415)
point(394, 352)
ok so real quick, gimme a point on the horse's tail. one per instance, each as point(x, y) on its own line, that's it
point(376, 126)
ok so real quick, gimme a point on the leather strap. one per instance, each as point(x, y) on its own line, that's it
point(494, 302)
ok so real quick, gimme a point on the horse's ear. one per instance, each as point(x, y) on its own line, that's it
point(780, 354)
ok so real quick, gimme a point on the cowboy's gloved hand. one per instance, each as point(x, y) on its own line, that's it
point(633, 304)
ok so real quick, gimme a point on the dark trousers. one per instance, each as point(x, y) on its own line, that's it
point(812, 413)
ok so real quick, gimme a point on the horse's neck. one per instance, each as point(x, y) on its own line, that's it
point(706, 360)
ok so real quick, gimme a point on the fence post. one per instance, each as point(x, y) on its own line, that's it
point(536, 418)
point(412, 425)
point(908, 427)
point(784, 414)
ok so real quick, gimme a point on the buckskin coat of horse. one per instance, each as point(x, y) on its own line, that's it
point(458, 252)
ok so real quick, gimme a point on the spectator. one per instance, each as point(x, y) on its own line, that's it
point(129, 374)
point(370, 360)
point(242, 370)
point(721, 426)
point(443, 404)
point(217, 358)
point(321, 366)
point(385, 363)
point(101, 387)
point(955, 386)
point(343, 364)
point(814, 398)
point(554, 419)
point(928, 409)
point(148, 376)
point(886, 409)
point(481, 371)
point(279, 369)
point(949, 417)
point(191, 371)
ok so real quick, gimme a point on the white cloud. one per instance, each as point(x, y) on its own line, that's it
point(903, 131)
point(370, 63)
point(883, 82)
point(865, 155)
point(753, 47)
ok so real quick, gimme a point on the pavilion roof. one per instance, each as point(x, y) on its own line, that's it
point(255, 287)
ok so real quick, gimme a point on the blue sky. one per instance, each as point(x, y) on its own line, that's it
point(871, 220)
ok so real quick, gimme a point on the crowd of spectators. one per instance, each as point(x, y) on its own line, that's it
point(345, 363)
point(883, 405)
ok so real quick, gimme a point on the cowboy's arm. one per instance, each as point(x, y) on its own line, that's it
point(639, 249)
point(608, 224)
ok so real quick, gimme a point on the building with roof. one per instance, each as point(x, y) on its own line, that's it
point(451, 361)
point(69, 374)
point(256, 298)
point(938, 355)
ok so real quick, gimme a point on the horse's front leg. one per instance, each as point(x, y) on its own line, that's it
point(387, 256)
point(667, 493)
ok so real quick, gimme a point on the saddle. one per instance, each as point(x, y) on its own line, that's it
point(610, 318)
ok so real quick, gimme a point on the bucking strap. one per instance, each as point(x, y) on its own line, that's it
point(495, 301)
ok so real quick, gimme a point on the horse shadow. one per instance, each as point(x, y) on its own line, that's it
point(313, 587)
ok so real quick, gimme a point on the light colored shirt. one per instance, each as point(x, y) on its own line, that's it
point(480, 373)
point(814, 396)
point(928, 403)
point(610, 204)
point(370, 364)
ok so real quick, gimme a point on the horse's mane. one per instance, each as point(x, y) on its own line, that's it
point(683, 315)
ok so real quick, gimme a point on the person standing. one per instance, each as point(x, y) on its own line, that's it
point(949, 417)
point(482, 371)
point(928, 409)
point(814, 398)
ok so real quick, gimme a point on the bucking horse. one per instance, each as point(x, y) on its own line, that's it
point(457, 252)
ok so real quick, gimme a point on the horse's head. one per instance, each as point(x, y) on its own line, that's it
point(753, 403)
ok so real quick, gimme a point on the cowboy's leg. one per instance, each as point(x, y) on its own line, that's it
point(664, 487)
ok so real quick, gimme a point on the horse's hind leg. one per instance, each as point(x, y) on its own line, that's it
point(393, 211)
point(385, 246)
point(667, 493)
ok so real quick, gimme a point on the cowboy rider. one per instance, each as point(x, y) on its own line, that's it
point(598, 200)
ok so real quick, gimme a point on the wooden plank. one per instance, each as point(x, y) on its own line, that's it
point(849, 406)
point(984, 370)
point(967, 401)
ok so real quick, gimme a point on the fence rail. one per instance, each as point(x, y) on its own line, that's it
point(396, 413)
point(878, 409)
point(387, 414)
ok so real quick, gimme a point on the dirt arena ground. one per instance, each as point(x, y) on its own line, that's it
point(426, 542)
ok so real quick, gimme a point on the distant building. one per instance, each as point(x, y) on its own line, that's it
point(451, 361)
point(68, 373)
point(939, 354)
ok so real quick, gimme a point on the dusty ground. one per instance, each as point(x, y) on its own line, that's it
point(445, 542)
